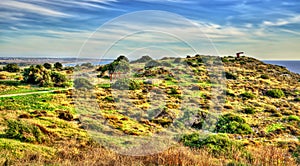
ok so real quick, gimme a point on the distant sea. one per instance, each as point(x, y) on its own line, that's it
point(100, 62)
point(293, 66)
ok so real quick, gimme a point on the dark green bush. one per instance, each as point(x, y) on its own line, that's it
point(297, 99)
point(275, 93)
point(58, 66)
point(11, 68)
point(264, 76)
point(217, 144)
point(249, 110)
point(248, 95)
point(230, 123)
point(47, 65)
point(230, 76)
point(23, 131)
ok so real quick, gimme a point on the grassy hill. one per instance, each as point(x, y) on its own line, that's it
point(213, 111)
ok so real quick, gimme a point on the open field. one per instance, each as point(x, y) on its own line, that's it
point(214, 111)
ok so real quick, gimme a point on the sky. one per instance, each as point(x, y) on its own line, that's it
point(265, 29)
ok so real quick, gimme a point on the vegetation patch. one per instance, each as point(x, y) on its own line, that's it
point(274, 127)
point(249, 110)
point(275, 93)
point(230, 123)
point(126, 84)
point(294, 118)
point(217, 144)
point(24, 131)
point(248, 95)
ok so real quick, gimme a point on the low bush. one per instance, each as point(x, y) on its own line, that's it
point(230, 123)
point(294, 118)
point(23, 131)
point(126, 84)
point(249, 110)
point(275, 93)
point(297, 99)
point(217, 144)
point(248, 95)
point(230, 76)
point(264, 76)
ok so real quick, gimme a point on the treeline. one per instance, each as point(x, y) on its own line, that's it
point(46, 75)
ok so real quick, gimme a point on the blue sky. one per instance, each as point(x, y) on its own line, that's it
point(266, 29)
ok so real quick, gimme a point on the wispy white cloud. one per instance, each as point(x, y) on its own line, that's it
point(28, 7)
point(290, 31)
point(283, 21)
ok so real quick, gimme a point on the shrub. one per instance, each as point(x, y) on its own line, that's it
point(230, 123)
point(41, 76)
point(126, 84)
point(249, 110)
point(59, 79)
point(274, 127)
point(264, 76)
point(229, 93)
point(275, 93)
point(58, 66)
point(247, 95)
point(297, 99)
point(151, 64)
point(230, 76)
point(11, 68)
point(47, 65)
point(23, 131)
point(82, 83)
point(217, 144)
point(294, 118)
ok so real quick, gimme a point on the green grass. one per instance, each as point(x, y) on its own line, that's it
point(107, 85)
point(22, 89)
point(19, 149)
point(32, 102)
point(274, 127)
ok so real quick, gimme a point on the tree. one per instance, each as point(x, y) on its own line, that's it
point(122, 57)
point(12, 67)
point(58, 66)
point(59, 79)
point(121, 64)
point(47, 65)
point(39, 75)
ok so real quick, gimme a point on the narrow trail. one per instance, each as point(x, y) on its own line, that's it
point(30, 93)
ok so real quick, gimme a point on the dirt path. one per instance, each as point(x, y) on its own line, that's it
point(30, 93)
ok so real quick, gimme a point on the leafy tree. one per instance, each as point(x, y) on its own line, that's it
point(121, 64)
point(12, 67)
point(47, 65)
point(58, 66)
point(39, 75)
point(59, 79)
